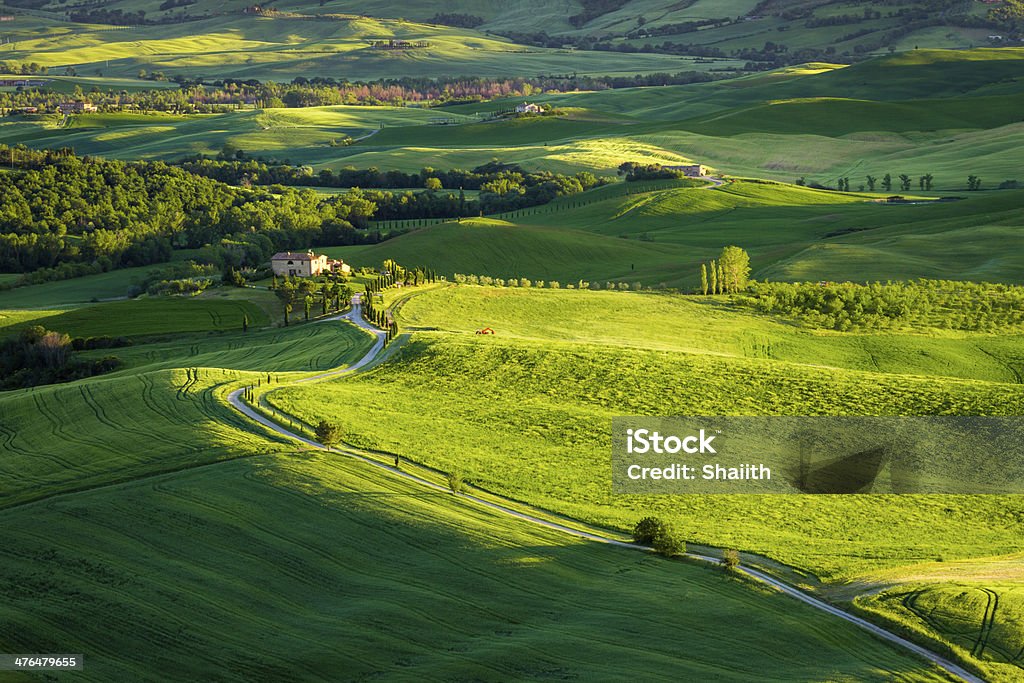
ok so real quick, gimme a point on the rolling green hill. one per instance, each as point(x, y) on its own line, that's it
point(527, 414)
point(214, 537)
point(228, 43)
point(296, 551)
point(662, 236)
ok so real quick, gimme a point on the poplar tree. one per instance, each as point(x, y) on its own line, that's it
point(735, 265)
point(714, 278)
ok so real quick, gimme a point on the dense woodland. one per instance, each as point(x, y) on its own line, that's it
point(59, 211)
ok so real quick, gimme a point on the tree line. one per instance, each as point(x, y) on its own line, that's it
point(197, 95)
point(905, 183)
point(943, 304)
point(502, 186)
point(37, 356)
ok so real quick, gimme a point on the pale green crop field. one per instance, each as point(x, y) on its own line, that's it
point(281, 48)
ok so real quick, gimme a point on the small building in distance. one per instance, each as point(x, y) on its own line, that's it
point(308, 264)
point(76, 107)
point(528, 108)
point(691, 170)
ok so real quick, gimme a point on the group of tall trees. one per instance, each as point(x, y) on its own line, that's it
point(730, 274)
point(906, 182)
point(316, 298)
point(39, 356)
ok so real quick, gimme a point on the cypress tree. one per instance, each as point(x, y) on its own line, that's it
point(714, 277)
point(703, 279)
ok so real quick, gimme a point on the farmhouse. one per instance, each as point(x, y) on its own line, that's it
point(76, 107)
point(691, 170)
point(307, 264)
point(528, 108)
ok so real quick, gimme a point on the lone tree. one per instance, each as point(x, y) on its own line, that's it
point(455, 483)
point(735, 265)
point(668, 541)
point(327, 433)
point(973, 182)
point(245, 322)
point(731, 558)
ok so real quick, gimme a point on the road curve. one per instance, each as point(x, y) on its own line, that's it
point(355, 317)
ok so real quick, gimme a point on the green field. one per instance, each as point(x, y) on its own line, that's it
point(660, 237)
point(185, 536)
point(764, 368)
point(302, 552)
point(151, 316)
point(819, 121)
point(983, 618)
point(527, 413)
point(231, 44)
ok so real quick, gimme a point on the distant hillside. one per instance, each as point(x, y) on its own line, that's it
point(767, 33)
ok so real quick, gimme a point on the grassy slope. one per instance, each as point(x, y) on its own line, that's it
point(818, 121)
point(984, 618)
point(150, 316)
point(240, 46)
point(187, 559)
point(365, 574)
point(792, 233)
point(526, 414)
point(550, 402)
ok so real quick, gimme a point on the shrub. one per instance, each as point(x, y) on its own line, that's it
point(327, 433)
point(646, 530)
point(455, 482)
point(731, 558)
point(668, 541)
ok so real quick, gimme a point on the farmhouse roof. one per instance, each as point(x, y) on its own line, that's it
point(293, 256)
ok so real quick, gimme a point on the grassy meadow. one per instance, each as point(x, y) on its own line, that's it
point(145, 317)
point(817, 121)
point(217, 535)
point(231, 44)
point(296, 551)
point(662, 235)
point(527, 414)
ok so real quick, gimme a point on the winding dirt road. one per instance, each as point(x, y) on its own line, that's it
point(354, 316)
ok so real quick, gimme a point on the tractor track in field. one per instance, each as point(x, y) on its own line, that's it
point(354, 316)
